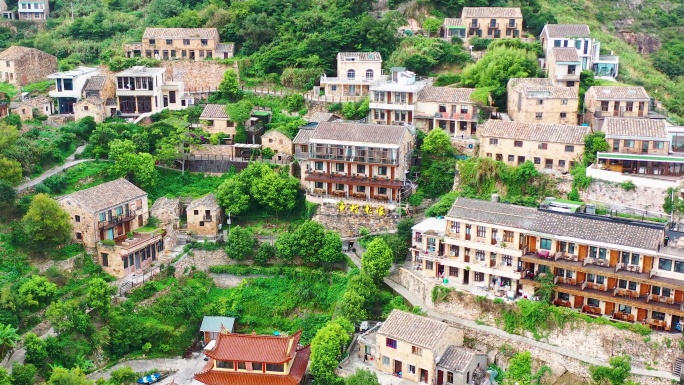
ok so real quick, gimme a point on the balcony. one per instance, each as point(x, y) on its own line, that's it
point(493, 26)
point(207, 218)
point(595, 261)
point(353, 180)
point(119, 219)
point(484, 244)
point(474, 24)
point(356, 80)
point(512, 26)
point(355, 159)
point(127, 245)
point(458, 116)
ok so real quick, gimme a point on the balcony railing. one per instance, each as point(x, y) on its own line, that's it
point(493, 25)
point(351, 158)
point(512, 26)
point(595, 261)
point(207, 218)
point(109, 223)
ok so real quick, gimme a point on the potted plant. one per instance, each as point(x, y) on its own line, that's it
point(129, 235)
point(503, 244)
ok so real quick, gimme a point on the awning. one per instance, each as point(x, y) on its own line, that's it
point(643, 158)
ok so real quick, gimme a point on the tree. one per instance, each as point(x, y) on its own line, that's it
point(277, 191)
point(351, 307)
point(75, 376)
point(331, 252)
point(616, 374)
point(46, 224)
point(36, 291)
point(137, 168)
point(519, 369)
point(239, 112)
point(362, 377)
point(8, 339)
point(23, 374)
point(5, 378)
point(10, 171)
point(7, 194)
point(241, 243)
point(68, 317)
point(100, 295)
point(364, 286)
point(431, 25)
point(233, 195)
point(593, 143)
point(326, 350)
point(286, 246)
point(123, 375)
point(265, 252)
point(438, 165)
point(36, 350)
point(229, 88)
point(377, 260)
point(8, 135)
point(310, 237)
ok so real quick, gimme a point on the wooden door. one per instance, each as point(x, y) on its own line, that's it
point(644, 289)
point(614, 257)
point(648, 264)
point(679, 296)
point(532, 243)
point(440, 376)
point(612, 283)
point(610, 308)
point(579, 301)
point(581, 277)
point(583, 250)
point(642, 314)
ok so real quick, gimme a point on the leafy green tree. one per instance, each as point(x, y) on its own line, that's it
point(241, 243)
point(377, 260)
point(10, 171)
point(519, 369)
point(352, 307)
point(100, 295)
point(423, 54)
point(229, 88)
point(119, 148)
point(36, 350)
point(100, 139)
point(264, 253)
point(286, 246)
point(68, 317)
point(364, 286)
point(276, 191)
point(362, 377)
point(593, 143)
point(233, 195)
point(8, 135)
point(310, 238)
point(431, 25)
point(36, 291)
point(46, 224)
point(331, 252)
point(8, 339)
point(7, 195)
point(438, 165)
point(123, 375)
point(137, 168)
point(617, 373)
point(240, 111)
point(668, 59)
point(5, 378)
point(23, 374)
point(75, 376)
point(326, 351)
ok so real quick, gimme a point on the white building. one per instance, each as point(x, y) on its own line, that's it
point(356, 72)
point(394, 101)
point(69, 86)
point(142, 90)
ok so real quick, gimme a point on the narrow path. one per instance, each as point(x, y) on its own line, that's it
point(183, 370)
point(70, 162)
point(414, 300)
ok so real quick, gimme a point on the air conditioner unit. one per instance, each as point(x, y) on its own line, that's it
point(499, 238)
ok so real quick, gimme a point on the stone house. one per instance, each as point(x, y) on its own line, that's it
point(301, 142)
point(493, 22)
point(204, 216)
point(20, 66)
point(6, 13)
point(551, 147)
point(356, 72)
point(458, 365)
point(277, 141)
point(4, 109)
point(540, 101)
point(69, 87)
point(105, 219)
point(30, 108)
point(98, 99)
point(452, 28)
point(141, 90)
point(33, 9)
point(409, 346)
point(563, 67)
point(616, 101)
point(451, 109)
point(394, 101)
point(180, 44)
point(215, 120)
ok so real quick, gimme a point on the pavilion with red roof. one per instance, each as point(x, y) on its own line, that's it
point(250, 359)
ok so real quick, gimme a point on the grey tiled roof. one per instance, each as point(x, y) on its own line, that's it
point(501, 214)
point(635, 128)
point(169, 33)
point(618, 92)
point(539, 132)
point(208, 200)
point(451, 22)
point(446, 94)
point(95, 83)
point(107, 195)
point(214, 111)
point(491, 12)
point(322, 117)
point(456, 358)
point(414, 329)
point(360, 56)
point(565, 54)
point(356, 132)
point(225, 47)
point(598, 229)
point(567, 30)
point(543, 82)
point(303, 136)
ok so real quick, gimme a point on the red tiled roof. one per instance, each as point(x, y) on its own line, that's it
point(211, 377)
point(254, 348)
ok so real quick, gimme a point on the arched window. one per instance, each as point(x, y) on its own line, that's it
point(369, 74)
point(351, 75)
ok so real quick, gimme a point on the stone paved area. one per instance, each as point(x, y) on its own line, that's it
point(183, 370)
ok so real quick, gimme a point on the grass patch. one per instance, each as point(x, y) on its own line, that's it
point(40, 87)
point(257, 270)
point(172, 184)
point(86, 175)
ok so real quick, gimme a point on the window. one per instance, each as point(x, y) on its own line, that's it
point(538, 115)
point(333, 88)
point(429, 265)
point(561, 163)
point(369, 74)
point(659, 145)
point(412, 369)
point(361, 189)
point(201, 53)
point(339, 187)
point(456, 227)
point(242, 365)
point(385, 360)
point(563, 115)
point(319, 166)
point(545, 244)
point(318, 185)
point(204, 41)
point(511, 158)
point(493, 141)
point(186, 41)
point(85, 108)
point(572, 69)
point(578, 44)
point(382, 170)
point(339, 167)
point(480, 255)
point(543, 146)
point(257, 366)
point(518, 143)
point(537, 160)
point(629, 143)
point(390, 343)
point(540, 101)
point(624, 309)
point(415, 350)
point(629, 106)
point(571, 84)
point(602, 253)
point(507, 260)
point(604, 106)
point(361, 168)
point(453, 271)
point(152, 42)
point(479, 277)
point(481, 231)
point(201, 224)
point(351, 75)
point(77, 218)
point(632, 285)
point(169, 41)
point(679, 267)
point(382, 190)
point(593, 302)
point(556, 43)
point(569, 148)
point(275, 368)
point(224, 364)
point(508, 236)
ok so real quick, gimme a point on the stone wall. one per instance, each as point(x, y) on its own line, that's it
point(65, 265)
point(348, 224)
point(649, 199)
point(195, 75)
point(166, 210)
point(658, 350)
point(202, 259)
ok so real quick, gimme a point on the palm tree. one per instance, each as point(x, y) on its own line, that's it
point(8, 339)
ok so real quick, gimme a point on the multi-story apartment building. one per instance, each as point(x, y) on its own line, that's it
point(394, 101)
point(563, 67)
point(105, 218)
point(622, 269)
point(142, 90)
point(493, 22)
point(452, 28)
point(551, 147)
point(33, 9)
point(357, 161)
point(450, 109)
point(356, 72)
point(180, 44)
point(21, 65)
point(604, 101)
point(255, 359)
point(540, 101)
point(69, 87)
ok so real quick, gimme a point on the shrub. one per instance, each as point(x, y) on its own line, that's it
point(628, 185)
point(416, 198)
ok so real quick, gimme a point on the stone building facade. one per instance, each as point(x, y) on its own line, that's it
point(615, 101)
point(180, 44)
point(541, 101)
point(493, 22)
point(204, 216)
point(21, 65)
point(277, 141)
point(98, 99)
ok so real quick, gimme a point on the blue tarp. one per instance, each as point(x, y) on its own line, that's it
point(149, 379)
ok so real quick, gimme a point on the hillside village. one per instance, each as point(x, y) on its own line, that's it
point(492, 200)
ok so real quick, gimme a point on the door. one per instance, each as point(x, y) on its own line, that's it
point(137, 260)
point(642, 314)
point(610, 308)
point(440, 376)
point(166, 101)
point(648, 264)
point(397, 366)
point(423, 376)
point(613, 258)
point(532, 244)
point(644, 289)
point(583, 250)
point(466, 277)
point(678, 296)
point(579, 301)
point(612, 283)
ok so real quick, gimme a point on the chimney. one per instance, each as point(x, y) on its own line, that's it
point(495, 198)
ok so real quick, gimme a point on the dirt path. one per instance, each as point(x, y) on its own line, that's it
point(70, 162)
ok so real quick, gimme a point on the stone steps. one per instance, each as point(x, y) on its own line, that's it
point(677, 371)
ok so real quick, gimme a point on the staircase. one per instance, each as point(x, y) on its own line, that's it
point(182, 237)
point(677, 370)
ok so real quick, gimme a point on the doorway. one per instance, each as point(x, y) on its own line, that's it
point(466, 277)
point(423, 376)
point(397, 367)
